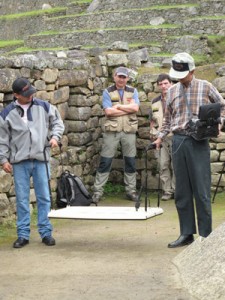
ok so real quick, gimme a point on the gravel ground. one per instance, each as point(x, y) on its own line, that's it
point(110, 260)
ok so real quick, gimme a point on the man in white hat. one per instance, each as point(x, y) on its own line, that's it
point(191, 158)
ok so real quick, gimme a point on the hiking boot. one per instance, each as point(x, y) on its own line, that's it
point(132, 196)
point(20, 242)
point(48, 241)
point(96, 197)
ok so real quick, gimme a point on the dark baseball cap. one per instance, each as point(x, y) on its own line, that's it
point(23, 87)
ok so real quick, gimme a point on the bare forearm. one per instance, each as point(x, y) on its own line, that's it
point(113, 112)
point(128, 108)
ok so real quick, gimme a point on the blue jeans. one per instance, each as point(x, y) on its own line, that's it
point(22, 172)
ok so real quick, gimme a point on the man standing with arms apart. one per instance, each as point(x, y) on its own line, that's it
point(167, 177)
point(191, 158)
point(120, 104)
point(27, 126)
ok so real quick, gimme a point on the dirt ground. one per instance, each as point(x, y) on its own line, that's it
point(96, 259)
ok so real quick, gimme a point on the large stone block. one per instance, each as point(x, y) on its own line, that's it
point(202, 266)
point(73, 77)
point(79, 113)
point(5, 182)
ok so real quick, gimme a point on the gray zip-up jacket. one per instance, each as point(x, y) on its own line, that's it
point(19, 140)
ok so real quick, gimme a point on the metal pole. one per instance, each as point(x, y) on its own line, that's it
point(146, 182)
point(221, 174)
point(48, 176)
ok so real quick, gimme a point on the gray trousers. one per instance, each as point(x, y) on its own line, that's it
point(111, 141)
point(166, 167)
point(191, 161)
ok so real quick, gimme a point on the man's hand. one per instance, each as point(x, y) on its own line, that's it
point(7, 167)
point(53, 142)
point(158, 142)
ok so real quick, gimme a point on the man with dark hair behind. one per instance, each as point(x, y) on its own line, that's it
point(167, 177)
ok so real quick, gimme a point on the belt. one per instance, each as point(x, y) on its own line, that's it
point(181, 132)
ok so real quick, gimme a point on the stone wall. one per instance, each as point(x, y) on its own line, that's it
point(108, 5)
point(101, 38)
point(134, 22)
point(9, 6)
point(74, 84)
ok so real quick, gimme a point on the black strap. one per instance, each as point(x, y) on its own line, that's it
point(48, 175)
point(60, 155)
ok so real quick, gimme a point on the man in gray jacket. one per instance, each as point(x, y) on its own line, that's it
point(27, 126)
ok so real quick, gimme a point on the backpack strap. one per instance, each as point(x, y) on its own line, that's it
point(82, 187)
point(71, 182)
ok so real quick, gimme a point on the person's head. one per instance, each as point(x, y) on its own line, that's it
point(183, 67)
point(23, 90)
point(164, 82)
point(121, 76)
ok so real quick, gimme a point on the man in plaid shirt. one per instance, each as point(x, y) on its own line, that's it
point(191, 158)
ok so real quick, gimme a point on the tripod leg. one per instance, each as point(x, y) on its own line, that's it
point(158, 203)
point(146, 183)
point(138, 202)
point(221, 174)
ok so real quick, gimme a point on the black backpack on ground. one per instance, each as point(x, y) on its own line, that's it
point(71, 191)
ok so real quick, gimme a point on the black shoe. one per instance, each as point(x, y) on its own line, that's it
point(48, 241)
point(183, 240)
point(20, 242)
point(132, 196)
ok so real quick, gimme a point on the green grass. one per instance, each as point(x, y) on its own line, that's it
point(10, 43)
point(149, 44)
point(207, 18)
point(29, 50)
point(33, 13)
point(81, 1)
point(217, 45)
point(7, 232)
point(112, 188)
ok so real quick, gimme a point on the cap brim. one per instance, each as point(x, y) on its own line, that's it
point(29, 92)
point(178, 75)
point(120, 73)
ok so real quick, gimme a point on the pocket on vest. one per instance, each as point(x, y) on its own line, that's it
point(132, 123)
point(111, 124)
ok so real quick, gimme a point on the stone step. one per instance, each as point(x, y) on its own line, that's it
point(97, 37)
point(9, 6)
point(117, 19)
point(134, 17)
point(109, 5)
point(77, 7)
point(25, 24)
point(205, 25)
point(160, 59)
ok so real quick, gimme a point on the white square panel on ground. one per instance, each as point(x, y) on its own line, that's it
point(105, 213)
